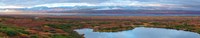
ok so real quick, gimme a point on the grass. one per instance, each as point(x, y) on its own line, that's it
point(12, 31)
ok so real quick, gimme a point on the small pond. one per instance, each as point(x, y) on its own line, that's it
point(139, 32)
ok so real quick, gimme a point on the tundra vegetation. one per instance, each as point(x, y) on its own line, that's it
point(15, 27)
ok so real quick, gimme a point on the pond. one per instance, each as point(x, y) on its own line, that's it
point(139, 32)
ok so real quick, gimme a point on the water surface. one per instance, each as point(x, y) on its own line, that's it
point(140, 32)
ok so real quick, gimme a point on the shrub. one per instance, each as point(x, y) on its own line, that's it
point(59, 36)
point(11, 33)
point(34, 36)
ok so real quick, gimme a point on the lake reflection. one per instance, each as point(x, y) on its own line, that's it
point(140, 32)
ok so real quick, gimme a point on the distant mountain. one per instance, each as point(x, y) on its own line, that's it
point(107, 10)
point(129, 12)
point(66, 8)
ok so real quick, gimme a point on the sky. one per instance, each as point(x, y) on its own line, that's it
point(190, 4)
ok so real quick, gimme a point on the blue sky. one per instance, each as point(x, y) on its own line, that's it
point(191, 4)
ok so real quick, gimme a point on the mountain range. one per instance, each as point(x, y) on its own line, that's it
point(107, 10)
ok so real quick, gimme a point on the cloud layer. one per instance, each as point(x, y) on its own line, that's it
point(190, 4)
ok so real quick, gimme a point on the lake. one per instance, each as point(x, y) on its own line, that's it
point(139, 32)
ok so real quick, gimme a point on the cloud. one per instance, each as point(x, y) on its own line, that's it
point(38, 2)
point(154, 5)
point(64, 4)
point(116, 3)
point(87, 1)
point(111, 3)
point(186, 4)
point(11, 7)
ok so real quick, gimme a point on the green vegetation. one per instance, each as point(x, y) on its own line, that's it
point(16, 31)
point(67, 28)
point(59, 36)
point(12, 31)
point(34, 36)
point(93, 25)
point(113, 29)
point(104, 23)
